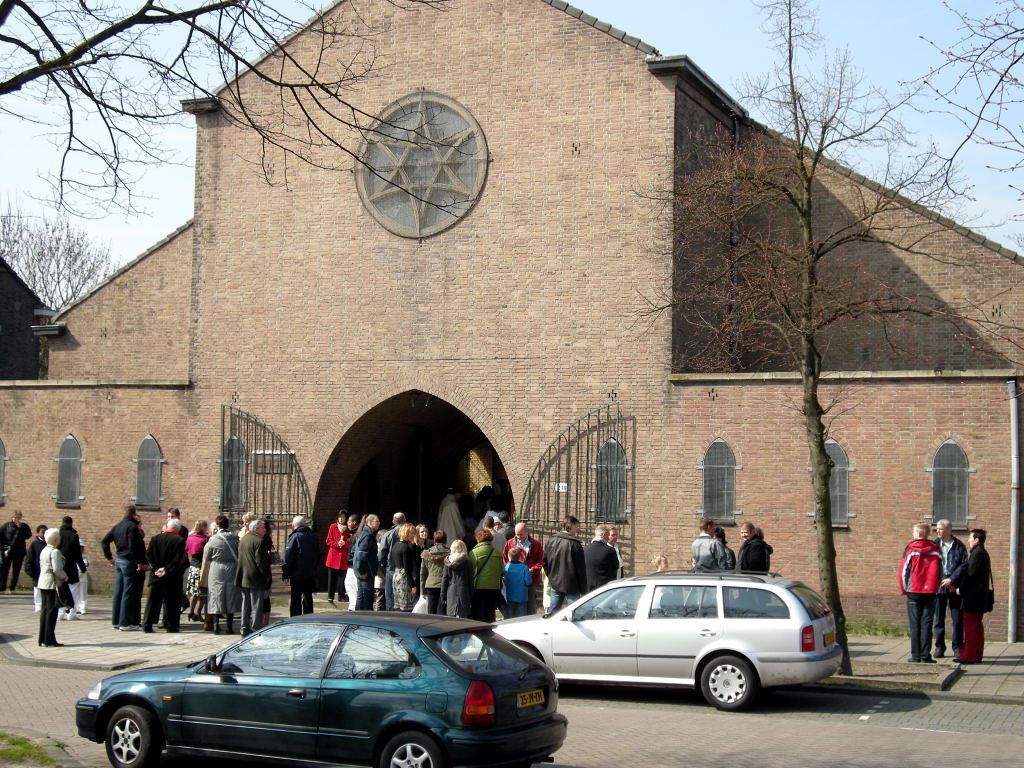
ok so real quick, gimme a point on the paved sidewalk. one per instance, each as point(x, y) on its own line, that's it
point(92, 644)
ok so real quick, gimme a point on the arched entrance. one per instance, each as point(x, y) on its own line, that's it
point(403, 454)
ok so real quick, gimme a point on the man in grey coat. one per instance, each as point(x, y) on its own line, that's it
point(253, 575)
point(708, 552)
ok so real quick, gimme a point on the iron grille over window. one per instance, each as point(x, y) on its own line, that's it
point(611, 482)
point(69, 473)
point(260, 474)
point(587, 472)
point(3, 464)
point(949, 484)
point(233, 476)
point(839, 483)
point(148, 470)
point(720, 482)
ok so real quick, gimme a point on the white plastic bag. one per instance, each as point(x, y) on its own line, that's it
point(421, 605)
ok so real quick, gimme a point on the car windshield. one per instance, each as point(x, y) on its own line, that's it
point(811, 600)
point(481, 653)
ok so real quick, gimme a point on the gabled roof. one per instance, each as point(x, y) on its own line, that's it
point(17, 277)
point(618, 34)
point(208, 104)
point(910, 205)
point(113, 276)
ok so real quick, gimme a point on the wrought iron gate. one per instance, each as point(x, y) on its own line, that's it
point(259, 473)
point(587, 472)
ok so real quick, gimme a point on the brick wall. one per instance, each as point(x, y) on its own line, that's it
point(523, 316)
point(135, 326)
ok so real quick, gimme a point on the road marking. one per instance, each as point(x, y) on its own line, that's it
point(865, 717)
point(932, 730)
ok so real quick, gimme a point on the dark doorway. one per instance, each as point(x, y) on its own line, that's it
point(403, 454)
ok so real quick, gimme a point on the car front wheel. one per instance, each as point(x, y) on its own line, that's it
point(729, 682)
point(412, 750)
point(132, 738)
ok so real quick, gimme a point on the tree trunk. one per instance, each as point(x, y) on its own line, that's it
point(821, 472)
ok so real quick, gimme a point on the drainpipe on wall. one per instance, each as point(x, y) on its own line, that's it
point(1011, 624)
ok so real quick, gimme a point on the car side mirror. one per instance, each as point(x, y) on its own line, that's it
point(212, 665)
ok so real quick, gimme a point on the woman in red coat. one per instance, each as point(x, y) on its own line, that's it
point(338, 537)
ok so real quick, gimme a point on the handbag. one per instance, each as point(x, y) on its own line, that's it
point(64, 597)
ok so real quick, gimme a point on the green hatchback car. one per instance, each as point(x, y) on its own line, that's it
point(374, 689)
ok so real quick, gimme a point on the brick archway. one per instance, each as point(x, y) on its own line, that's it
point(400, 448)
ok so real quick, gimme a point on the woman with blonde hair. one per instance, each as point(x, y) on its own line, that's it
point(405, 576)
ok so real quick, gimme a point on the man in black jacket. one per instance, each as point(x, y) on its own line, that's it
point(301, 554)
point(71, 547)
point(35, 549)
point(253, 575)
point(126, 536)
point(13, 536)
point(565, 565)
point(166, 555)
point(602, 559)
point(954, 566)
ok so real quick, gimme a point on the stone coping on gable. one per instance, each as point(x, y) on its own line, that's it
point(94, 383)
point(786, 376)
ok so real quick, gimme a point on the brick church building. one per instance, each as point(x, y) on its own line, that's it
point(338, 342)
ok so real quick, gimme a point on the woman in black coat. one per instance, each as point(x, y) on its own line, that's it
point(457, 583)
point(973, 590)
point(755, 555)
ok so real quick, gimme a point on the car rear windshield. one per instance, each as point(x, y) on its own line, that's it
point(811, 600)
point(481, 653)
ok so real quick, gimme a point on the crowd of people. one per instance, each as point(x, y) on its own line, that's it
point(474, 565)
point(940, 576)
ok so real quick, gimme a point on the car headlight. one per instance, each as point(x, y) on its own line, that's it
point(94, 693)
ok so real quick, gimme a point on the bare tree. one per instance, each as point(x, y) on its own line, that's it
point(787, 260)
point(980, 82)
point(103, 77)
point(59, 261)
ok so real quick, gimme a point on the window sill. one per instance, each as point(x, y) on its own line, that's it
point(148, 507)
point(68, 505)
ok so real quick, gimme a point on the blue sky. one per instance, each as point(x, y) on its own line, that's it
point(725, 38)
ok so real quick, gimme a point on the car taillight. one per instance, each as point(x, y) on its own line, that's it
point(479, 706)
point(807, 638)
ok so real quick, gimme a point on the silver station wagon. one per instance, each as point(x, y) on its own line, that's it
point(731, 634)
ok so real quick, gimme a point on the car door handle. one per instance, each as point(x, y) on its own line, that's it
point(627, 633)
point(707, 633)
point(296, 693)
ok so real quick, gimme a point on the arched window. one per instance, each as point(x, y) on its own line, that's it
point(233, 477)
point(719, 482)
point(839, 483)
point(148, 471)
point(69, 473)
point(611, 482)
point(3, 465)
point(949, 484)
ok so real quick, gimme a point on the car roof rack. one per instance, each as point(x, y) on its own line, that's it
point(714, 575)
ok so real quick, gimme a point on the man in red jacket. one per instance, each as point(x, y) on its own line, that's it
point(920, 572)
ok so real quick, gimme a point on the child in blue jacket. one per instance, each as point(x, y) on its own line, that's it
point(517, 584)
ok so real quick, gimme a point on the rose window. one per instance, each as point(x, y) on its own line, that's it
point(423, 166)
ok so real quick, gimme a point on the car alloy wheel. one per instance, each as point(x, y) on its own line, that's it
point(729, 682)
point(130, 737)
point(411, 750)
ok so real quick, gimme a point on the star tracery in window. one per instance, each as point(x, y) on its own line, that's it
point(424, 165)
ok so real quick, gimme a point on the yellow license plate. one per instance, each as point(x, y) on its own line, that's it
point(531, 698)
point(830, 637)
